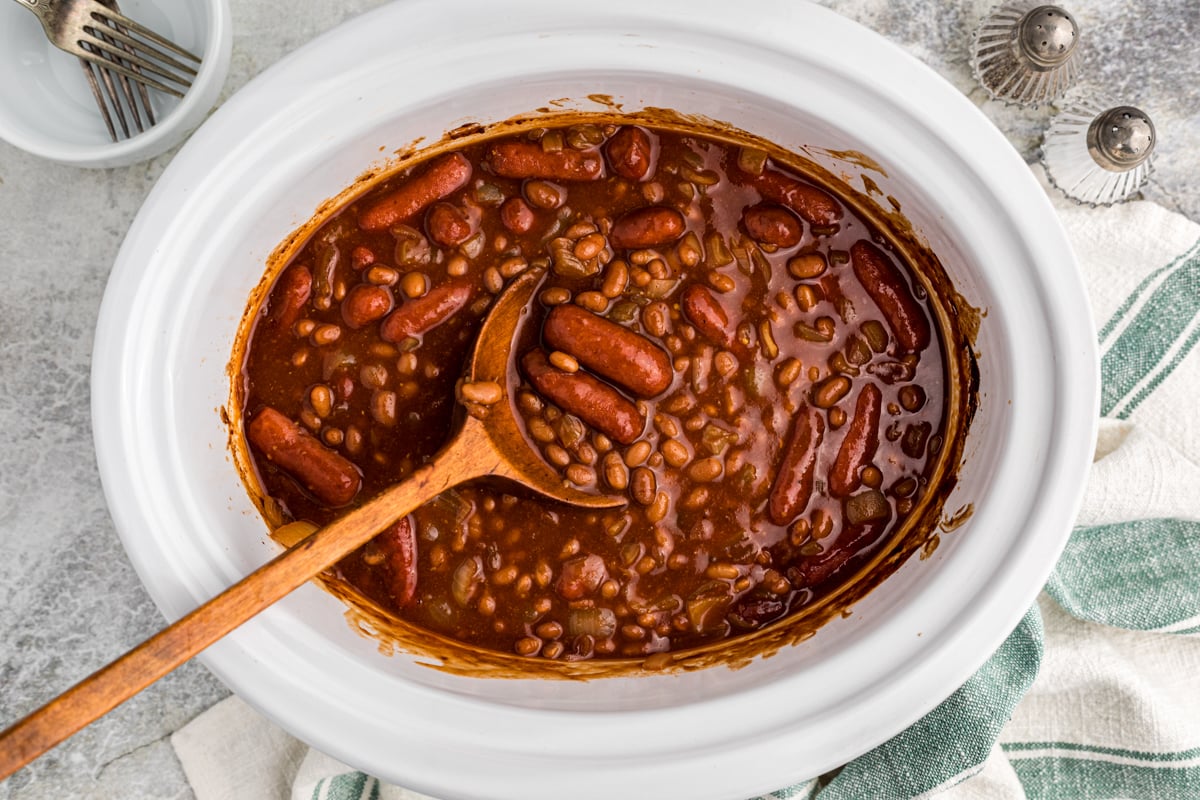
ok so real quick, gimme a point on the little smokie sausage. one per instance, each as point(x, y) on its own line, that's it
point(887, 287)
point(399, 542)
point(290, 295)
point(449, 225)
point(444, 176)
point(794, 483)
point(424, 313)
point(630, 152)
point(652, 226)
point(585, 396)
point(860, 443)
point(624, 357)
point(813, 570)
point(330, 477)
point(701, 308)
point(514, 158)
point(815, 206)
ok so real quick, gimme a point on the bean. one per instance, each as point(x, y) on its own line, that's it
point(643, 485)
point(544, 194)
point(638, 453)
point(912, 398)
point(511, 267)
point(580, 229)
point(540, 430)
point(406, 363)
point(615, 473)
point(705, 470)
point(655, 318)
point(325, 335)
point(772, 224)
point(721, 282)
point(420, 315)
point(555, 296)
point(689, 252)
point(616, 278)
point(515, 158)
point(557, 455)
point(806, 266)
point(655, 513)
point(837, 418)
point(581, 475)
point(806, 297)
point(650, 226)
point(485, 393)
point(383, 407)
point(613, 351)
point(493, 281)
point(304, 328)
point(457, 266)
point(872, 477)
point(321, 400)
point(722, 571)
point(630, 153)
point(859, 445)
point(444, 176)
point(830, 391)
point(675, 453)
point(788, 372)
point(888, 288)
point(528, 646)
point(766, 340)
point(382, 276)
point(590, 246)
point(414, 284)
point(593, 401)
point(596, 302)
point(793, 486)
point(914, 439)
point(564, 361)
point(334, 480)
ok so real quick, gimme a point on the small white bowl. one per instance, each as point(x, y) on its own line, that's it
point(790, 71)
point(47, 107)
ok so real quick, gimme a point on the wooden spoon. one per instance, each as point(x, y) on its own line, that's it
point(488, 441)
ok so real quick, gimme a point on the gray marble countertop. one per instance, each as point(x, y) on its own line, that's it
point(69, 599)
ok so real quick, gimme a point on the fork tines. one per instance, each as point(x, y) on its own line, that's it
point(126, 54)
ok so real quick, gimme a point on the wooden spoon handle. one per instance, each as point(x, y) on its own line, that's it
point(466, 457)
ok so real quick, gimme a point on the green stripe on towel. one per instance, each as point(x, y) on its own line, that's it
point(1064, 775)
point(1156, 339)
point(1139, 575)
point(950, 743)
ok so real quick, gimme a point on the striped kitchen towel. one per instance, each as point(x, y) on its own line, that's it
point(1096, 694)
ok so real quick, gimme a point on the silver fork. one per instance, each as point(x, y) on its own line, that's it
point(111, 41)
point(118, 101)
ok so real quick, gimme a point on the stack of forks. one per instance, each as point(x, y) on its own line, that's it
point(121, 59)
